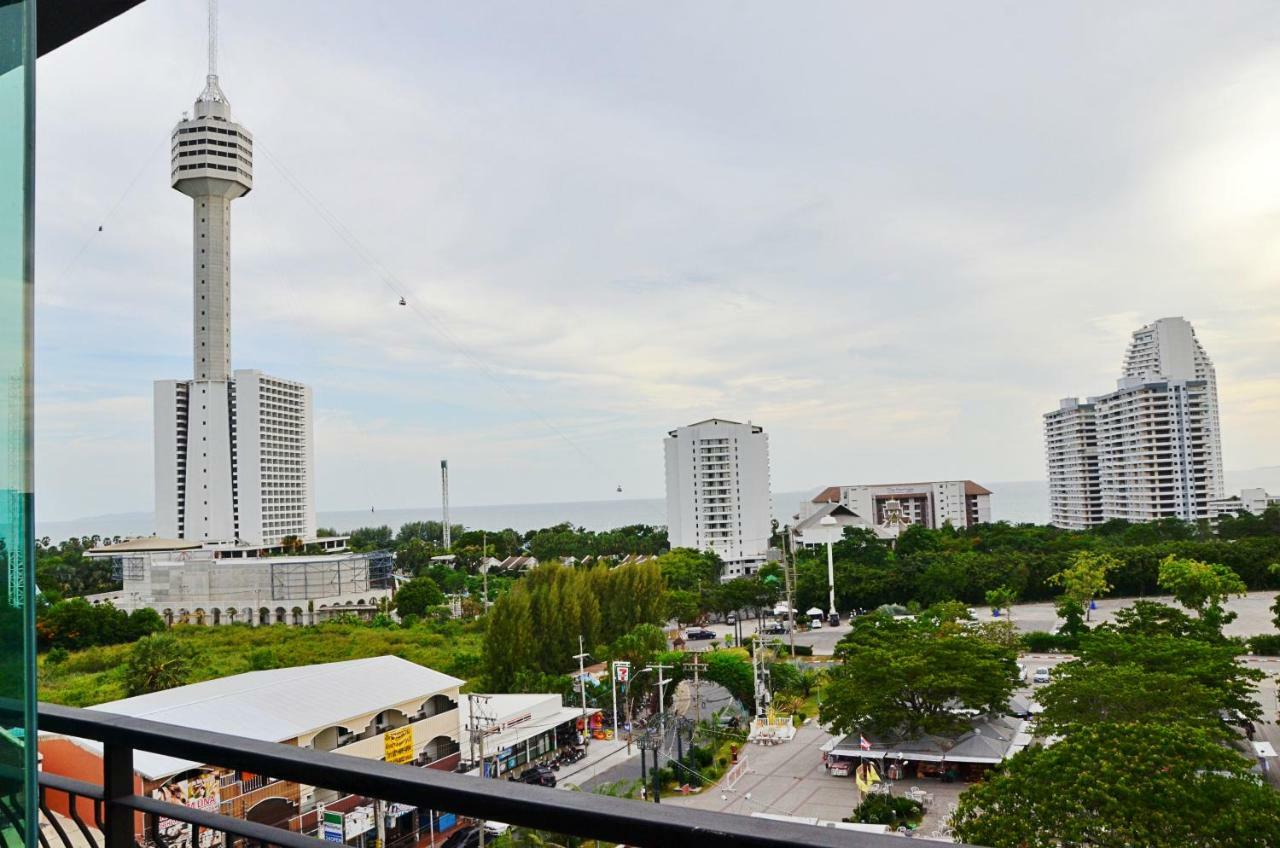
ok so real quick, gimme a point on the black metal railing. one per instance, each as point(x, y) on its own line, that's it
point(116, 806)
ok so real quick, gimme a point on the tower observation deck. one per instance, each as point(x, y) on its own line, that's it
point(212, 160)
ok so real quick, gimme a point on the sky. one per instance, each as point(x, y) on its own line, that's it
point(894, 235)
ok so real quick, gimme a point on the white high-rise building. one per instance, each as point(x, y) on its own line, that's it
point(1071, 450)
point(718, 492)
point(233, 452)
point(1156, 438)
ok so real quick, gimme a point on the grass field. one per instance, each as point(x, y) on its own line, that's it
point(96, 675)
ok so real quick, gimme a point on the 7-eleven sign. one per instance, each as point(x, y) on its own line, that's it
point(622, 671)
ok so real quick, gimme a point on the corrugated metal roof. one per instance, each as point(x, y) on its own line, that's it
point(279, 704)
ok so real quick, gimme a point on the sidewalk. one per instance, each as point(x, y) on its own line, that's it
point(602, 755)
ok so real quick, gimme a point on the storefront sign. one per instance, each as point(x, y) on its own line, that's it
point(622, 671)
point(398, 745)
point(331, 826)
point(198, 793)
point(358, 821)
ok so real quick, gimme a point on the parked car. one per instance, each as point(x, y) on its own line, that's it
point(538, 776)
point(774, 628)
point(1022, 672)
point(467, 837)
point(815, 623)
point(699, 633)
point(1041, 675)
point(731, 619)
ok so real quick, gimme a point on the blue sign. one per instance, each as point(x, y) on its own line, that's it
point(332, 835)
point(445, 821)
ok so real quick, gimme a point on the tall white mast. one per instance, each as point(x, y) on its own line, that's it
point(444, 501)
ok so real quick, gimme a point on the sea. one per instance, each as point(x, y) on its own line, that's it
point(1016, 502)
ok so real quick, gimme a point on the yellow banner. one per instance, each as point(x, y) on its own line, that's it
point(398, 745)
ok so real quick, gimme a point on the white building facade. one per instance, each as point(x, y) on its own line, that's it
point(1071, 449)
point(934, 504)
point(718, 492)
point(1157, 439)
point(234, 452)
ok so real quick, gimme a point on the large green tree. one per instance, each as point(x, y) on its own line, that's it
point(417, 596)
point(1210, 665)
point(1084, 694)
point(1120, 786)
point(904, 678)
point(1201, 586)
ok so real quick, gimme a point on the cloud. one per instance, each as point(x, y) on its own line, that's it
point(891, 236)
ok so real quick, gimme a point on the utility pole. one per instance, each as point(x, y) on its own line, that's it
point(789, 572)
point(484, 566)
point(581, 657)
point(697, 665)
point(477, 736)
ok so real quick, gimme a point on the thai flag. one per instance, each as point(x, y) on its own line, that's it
point(863, 743)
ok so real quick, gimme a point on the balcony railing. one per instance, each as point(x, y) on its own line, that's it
point(616, 820)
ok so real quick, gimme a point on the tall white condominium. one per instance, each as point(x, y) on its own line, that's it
point(1071, 449)
point(1157, 439)
point(233, 452)
point(718, 492)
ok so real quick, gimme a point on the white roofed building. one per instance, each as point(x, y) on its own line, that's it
point(379, 708)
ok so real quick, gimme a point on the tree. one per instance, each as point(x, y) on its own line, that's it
point(732, 670)
point(1202, 587)
point(904, 678)
point(417, 596)
point(158, 662)
point(143, 622)
point(510, 644)
point(686, 568)
point(1208, 664)
point(683, 606)
point(370, 538)
point(1084, 694)
point(1085, 579)
point(1002, 598)
point(1120, 785)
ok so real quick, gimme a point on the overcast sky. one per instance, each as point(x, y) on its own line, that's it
point(893, 234)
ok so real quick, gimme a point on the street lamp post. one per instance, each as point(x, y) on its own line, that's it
point(829, 523)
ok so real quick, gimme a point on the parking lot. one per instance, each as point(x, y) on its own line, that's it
point(1253, 618)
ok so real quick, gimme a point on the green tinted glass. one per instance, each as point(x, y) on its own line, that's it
point(17, 625)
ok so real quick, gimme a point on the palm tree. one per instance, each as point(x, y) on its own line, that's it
point(157, 662)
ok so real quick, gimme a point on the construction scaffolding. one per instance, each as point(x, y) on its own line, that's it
point(352, 574)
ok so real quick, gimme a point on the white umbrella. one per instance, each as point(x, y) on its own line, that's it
point(814, 611)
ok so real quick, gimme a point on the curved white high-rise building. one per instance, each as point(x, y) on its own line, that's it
point(1149, 450)
point(234, 451)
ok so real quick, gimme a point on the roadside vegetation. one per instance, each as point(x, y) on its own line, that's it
point(94, 675)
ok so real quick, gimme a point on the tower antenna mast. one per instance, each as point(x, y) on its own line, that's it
point(213, 38)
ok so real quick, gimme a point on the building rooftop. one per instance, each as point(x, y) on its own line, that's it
point(832, 493)
point(278, 704)
point(145, 544)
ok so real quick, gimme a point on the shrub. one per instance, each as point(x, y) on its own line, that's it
point(57, 656)
point(1266, 645)
point(892, 810)
point(261, 659)
point(1038, 641)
